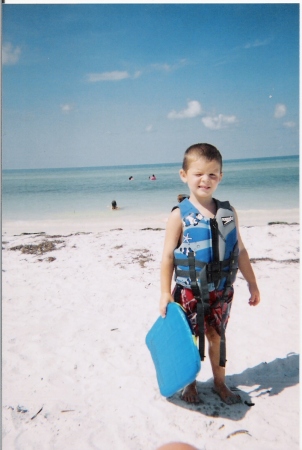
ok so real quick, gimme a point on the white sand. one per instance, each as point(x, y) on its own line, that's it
point(73, 344)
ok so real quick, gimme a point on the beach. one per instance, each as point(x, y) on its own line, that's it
point(77, 304)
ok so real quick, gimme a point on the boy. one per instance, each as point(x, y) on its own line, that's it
point(203, 234)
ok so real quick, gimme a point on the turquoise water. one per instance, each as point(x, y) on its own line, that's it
point(258, 184)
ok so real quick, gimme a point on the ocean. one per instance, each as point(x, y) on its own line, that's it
point(86, 193)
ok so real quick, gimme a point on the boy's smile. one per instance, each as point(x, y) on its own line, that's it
point(202, 177)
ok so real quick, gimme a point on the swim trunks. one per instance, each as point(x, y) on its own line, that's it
point(212, 315)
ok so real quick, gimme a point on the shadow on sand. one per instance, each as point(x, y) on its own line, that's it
point(265, 379)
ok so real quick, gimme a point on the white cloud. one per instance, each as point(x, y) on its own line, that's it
point(149, 128)
point(169, 67)
point(107, 76)
point(10, 54)
point(137, 74)
point(165, 67)
point(257, 43)
point(218, 122)
point(280, 110)
point(289, 124)
point(66, 108)
point(117, 75)
point(193, 109)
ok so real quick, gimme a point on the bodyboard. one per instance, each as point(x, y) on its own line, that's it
point(173, 350)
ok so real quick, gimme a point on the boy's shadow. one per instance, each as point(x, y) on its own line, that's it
point(265, 379)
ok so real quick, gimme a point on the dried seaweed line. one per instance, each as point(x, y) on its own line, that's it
point(292, 260)
point(238, 432)
point(33, 417)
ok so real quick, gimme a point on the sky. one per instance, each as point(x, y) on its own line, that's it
point(115, 84)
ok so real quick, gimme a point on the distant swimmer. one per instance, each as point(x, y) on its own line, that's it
point(114, 205)
point(181, 197)
point(131, 178)
point(153, 177)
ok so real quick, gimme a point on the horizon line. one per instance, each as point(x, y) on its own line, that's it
point(149, 164)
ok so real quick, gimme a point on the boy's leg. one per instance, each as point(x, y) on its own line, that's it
point(186, 299)
point(220, 387)
point(190, 394)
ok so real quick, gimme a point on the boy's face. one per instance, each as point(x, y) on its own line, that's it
point(202, 177)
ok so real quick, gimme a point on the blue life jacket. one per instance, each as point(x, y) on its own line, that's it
point(207, 258)
point(212, 241)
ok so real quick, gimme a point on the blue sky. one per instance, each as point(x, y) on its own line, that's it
point(114, 84)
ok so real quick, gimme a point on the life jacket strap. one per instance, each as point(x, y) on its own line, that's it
point(222, 358)
point(215, 271)
point(200, 304)
point(184, 262)
point(192, 273)
point(201, 331)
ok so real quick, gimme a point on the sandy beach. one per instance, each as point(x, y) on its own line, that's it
point(77, 304)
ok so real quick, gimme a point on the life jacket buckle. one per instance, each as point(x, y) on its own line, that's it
point(213, 271)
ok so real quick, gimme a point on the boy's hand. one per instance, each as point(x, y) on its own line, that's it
point(255, 294)
point(164, 300)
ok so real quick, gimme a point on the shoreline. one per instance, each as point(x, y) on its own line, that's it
point(116, 219)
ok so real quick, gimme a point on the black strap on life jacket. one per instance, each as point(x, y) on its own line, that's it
point(215, 271)
point(199, 287)
point(222, 357)
point(202, 296)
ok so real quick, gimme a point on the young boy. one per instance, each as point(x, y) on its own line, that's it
point(204, 248)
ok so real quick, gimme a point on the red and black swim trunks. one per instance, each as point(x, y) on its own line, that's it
point(212, 316)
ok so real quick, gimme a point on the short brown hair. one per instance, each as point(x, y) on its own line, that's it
point(197, 151)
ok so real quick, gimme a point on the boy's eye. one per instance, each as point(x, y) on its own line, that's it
point(212, 175)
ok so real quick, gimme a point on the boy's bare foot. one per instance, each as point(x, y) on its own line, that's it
point(190, 394)
point(226, 395)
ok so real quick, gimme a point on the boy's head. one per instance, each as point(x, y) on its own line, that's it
point(196, 151)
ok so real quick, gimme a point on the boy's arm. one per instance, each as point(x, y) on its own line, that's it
point(173, 232)
point(246, 269)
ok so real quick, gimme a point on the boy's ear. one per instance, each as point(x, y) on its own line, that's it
point(221, 175)
point(183, 175)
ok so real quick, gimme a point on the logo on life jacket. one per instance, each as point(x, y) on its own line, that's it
point(227, 220)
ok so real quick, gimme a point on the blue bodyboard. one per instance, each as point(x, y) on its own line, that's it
point(174, 353)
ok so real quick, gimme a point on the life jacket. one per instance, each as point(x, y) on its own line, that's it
point(207, 259)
